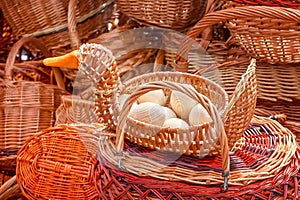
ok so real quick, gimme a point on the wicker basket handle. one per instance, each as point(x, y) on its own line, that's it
point(192, 93)
point(72, 24)
point(180, 64)
point(37, 43)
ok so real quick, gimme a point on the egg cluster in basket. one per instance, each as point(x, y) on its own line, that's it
point(175, 111)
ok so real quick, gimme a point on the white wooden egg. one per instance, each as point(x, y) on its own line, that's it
point(149, 112)
point(169, 112)
point(155, 96)
point(199, 115)
point(181, 104)
point(175, 123)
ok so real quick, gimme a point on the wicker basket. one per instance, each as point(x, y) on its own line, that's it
point(257, 169)
point(26, 107)
point(165, 139)
point(169, 14)
point(277, 85)
point(270, 34)
point(58, 163)
point(51, 19)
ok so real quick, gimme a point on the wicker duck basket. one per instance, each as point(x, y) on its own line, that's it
point(208, 139)
point(26, 107)
point(50, 20)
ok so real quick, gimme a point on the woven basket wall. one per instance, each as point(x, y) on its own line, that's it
point(50, 20)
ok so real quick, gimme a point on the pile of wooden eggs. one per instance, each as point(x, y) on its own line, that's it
point(177, 111)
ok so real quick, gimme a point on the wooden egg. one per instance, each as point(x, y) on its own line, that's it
point(155, 96)
point(199, 115)
point(182, 104)
point(175, 123)
point(150, 113)
point(169, 112)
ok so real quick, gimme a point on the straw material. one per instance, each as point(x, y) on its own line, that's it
point(26, 107)
point(159, 138)
point(270, 34)
point(257, 169)
point(168, 14)
point(282, 115)
point(58, 163)
point(278, 44)
point(51, 19)
point(117, 184)
point(209, 50)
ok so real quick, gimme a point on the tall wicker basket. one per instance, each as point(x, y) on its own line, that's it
point(26, 107)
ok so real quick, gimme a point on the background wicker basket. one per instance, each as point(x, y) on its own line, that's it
point(26, 107)
point(169, 14)
point(51, 20)
point(270, 34)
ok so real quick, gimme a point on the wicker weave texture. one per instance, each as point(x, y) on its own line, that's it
point(74, 109)
point(124, 44)
point(97, 61)
point(266, 34)
point(55, 163)
point(27, 17)
point(52, 18)
point(169, 14)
